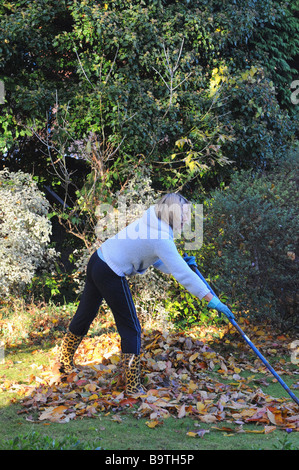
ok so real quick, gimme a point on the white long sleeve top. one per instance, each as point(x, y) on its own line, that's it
point(149, 241)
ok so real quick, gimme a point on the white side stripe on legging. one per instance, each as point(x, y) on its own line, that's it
point(132, 311)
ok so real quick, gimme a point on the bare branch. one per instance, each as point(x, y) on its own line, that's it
point(111, 68)
point(161, 77)
point(83, 69)
point(186, 78)
point(171, 71)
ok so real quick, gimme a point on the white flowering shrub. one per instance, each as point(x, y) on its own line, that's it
point(24, 231)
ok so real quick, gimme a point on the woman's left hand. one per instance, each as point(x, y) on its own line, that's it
point(221, 307)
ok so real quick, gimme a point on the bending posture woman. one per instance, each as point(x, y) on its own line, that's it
point(148, 241)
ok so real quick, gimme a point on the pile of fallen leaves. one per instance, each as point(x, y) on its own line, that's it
point(183, 376)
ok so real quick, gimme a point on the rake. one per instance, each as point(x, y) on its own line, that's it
point(257, 352)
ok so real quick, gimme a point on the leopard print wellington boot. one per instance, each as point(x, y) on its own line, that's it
point(68, 348)
point(132, 372)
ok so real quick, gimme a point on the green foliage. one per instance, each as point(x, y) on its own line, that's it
point(263, 132)
point(246, 33)
point(192, 91)
point(185, 311)
point(47, 287)
point(141, 87)
point(276, 45)
point(140, 74)
point(251, 239)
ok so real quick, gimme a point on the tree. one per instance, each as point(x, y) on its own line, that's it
point(139, 75)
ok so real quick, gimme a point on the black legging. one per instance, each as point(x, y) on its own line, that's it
point(102, 283)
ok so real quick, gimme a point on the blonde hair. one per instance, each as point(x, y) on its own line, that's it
point(169, 209)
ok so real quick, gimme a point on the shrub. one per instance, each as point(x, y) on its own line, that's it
point(184, 310)
point(251, 238)
point(263, 132)
point(24, 231)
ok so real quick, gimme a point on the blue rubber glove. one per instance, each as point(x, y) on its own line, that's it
point(220, 307)
point(190, 260)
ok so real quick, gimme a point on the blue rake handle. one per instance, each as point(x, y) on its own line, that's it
point(257, 352)
point(264, 360)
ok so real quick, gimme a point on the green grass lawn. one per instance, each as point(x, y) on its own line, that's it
point(30, 335)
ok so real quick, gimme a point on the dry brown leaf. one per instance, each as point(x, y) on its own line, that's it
point(176, 370)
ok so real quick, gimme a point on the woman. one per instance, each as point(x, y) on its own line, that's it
point(147, 241)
